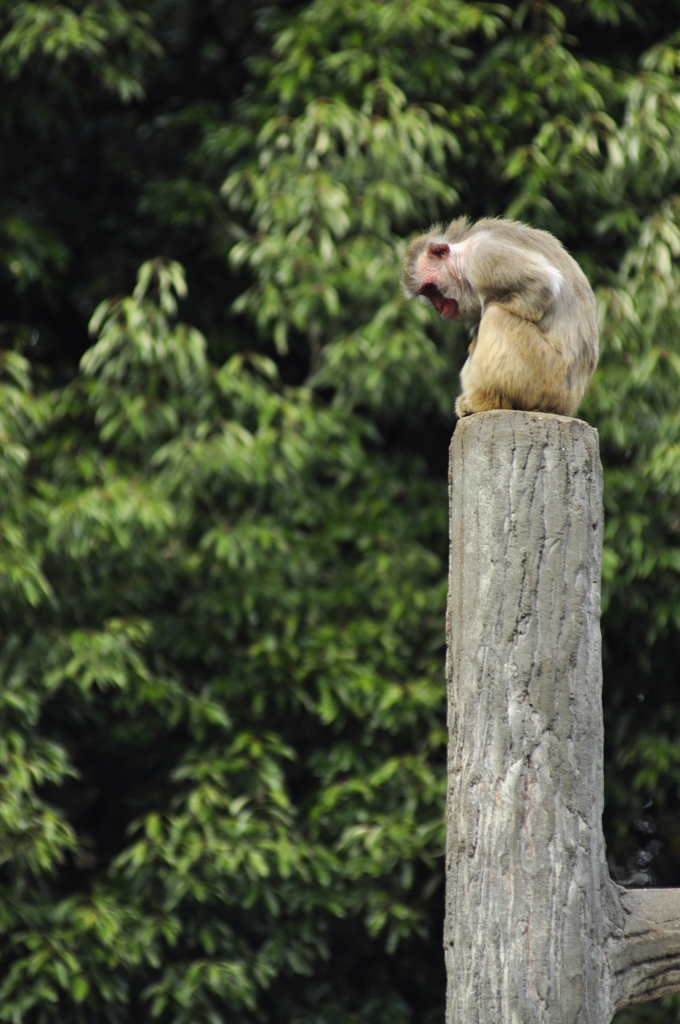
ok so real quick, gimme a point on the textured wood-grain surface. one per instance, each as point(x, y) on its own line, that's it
point(535, 930)
point(525, 856)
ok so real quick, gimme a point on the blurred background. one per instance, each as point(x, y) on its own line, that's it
point(223, 459)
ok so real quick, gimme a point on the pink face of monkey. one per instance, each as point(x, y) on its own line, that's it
point(436, 270)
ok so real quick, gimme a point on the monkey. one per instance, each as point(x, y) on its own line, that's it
point(535, 342)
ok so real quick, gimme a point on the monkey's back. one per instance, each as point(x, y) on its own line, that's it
point(514, 232)
point(571, 323)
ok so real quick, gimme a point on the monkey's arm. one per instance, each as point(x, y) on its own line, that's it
point(520, 280)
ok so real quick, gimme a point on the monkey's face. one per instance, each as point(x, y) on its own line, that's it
point(439, 281)
point(447, 308)
point(435, 269)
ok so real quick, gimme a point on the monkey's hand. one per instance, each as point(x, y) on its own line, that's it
point(480, 399)
point(462, 409)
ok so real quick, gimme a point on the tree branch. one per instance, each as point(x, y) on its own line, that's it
point(646, 955)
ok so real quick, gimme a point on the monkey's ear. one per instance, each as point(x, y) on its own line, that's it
point(438, 249)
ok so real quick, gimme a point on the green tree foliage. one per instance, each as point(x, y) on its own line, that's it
point(223, 546)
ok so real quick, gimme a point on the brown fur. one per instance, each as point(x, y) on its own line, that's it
point(537, 341)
